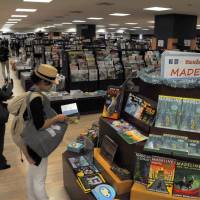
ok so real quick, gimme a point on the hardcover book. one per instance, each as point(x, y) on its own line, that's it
point(187, 180)
point(161, 175)
point(153, 143)
point(113, 102)
point(169, 112)
point(142, 168)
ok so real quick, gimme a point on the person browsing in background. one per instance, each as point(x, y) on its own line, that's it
point(43, 78)
point(4, 60)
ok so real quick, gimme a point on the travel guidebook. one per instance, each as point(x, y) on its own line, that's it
point(140, 109)
point(142, 168)
point(113, 103)
point(168, 112)
point(187, 180)
point(161, 175)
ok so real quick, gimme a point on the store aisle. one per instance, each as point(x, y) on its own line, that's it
point(12, 181)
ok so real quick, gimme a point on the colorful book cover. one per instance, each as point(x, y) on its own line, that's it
point(153, 143)
point(113, 102)
point(187, 180)
point(169, 112)
point(140, 109)
point(161, 175)
point(142, 168)
point(194, 149)
point(174, 144)
point(78, 162)
point(190, 115)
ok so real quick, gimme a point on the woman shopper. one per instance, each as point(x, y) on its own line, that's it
point(4, 60)
point(43, 78)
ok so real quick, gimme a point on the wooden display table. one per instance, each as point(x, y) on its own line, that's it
point(121, 187)
point(139, 192)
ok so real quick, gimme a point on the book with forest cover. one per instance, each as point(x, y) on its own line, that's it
point(190, 115)
point(161, 175)
point(194, 149)
point(169, 112)
point(187, 180)
point(142, 168)
point(153, 143)
point(113, 102)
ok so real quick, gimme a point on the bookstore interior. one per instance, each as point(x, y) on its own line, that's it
point(135, 67)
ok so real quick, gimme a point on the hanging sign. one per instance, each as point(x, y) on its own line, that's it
point(180, 65)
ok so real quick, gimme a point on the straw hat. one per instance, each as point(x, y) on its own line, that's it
point(46, 72)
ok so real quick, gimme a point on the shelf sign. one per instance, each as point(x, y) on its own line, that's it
point(180, 65)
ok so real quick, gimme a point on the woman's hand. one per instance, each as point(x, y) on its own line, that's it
point(60, 118)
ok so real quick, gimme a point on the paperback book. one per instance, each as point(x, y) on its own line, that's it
point(161, 175)
point(113, 102)
point(187, 180)
point(194, 149)
point(142, 168)
point(169, 112)
point(153, 143)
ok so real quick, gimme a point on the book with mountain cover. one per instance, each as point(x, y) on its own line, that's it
point(187, 180)
point(161, 175)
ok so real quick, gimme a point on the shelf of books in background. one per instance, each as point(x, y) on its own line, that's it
point(152, 59)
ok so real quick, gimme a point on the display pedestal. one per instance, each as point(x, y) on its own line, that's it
point(121, 187)
point(139, 192)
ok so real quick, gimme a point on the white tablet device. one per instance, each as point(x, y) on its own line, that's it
point(70, 109)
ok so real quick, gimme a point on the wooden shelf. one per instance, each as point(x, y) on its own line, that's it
point(120, 186)
point(139, 192)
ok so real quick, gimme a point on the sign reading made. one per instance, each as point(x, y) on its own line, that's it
point(176, 64)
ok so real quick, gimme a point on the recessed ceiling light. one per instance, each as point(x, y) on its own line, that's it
point(145, 29)
point(113, 24)
point(157, 9)
point(198, 24)
point(50, 26)
point(100, 26)
point(15, 20)
point(151, 22)
point(112, 28)
point(71, 30)
point(95, 18)
point(38, 1)
point(19, 16)
point(102, 30)
point(123, 28)
point(131, 23)
point(137, 27)
point(25, 10)
point(120, 31)
point(132, 29)
point(120, 14)
point(78, 21)
point(66, 23)
point(11, 22)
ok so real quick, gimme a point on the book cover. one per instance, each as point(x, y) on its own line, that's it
point(103, 74)
point(93, 75)
point(113, 102)
point(161, 175)
point(168, 112)
point(174, 144)
point(190, 115)
point(78, 162)
point(187, 179)
point(194, 149)
point(153, 143)
point(142, 168)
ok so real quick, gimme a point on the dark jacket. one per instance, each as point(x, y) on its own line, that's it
point(4, 54)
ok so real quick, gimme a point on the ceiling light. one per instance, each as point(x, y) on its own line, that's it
point(113, 24)
point(38, 1)
point(58, 24)
point(102, 30)
point(11, 22)
point(120, 14)
point(71, 30)
point(198, 24)
point(159, 9)
point(132, 29)
point(15, 20)
point(120, 31)
point(66, 23)
point(19, 16)
point(130, 23)
point(95, 18)
point(25, 10)
point(123, 28)
point(112, 28)
point(50, 26)
point(137, 27)
point(151, 22)
point(78, 21)
point(100, 26)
